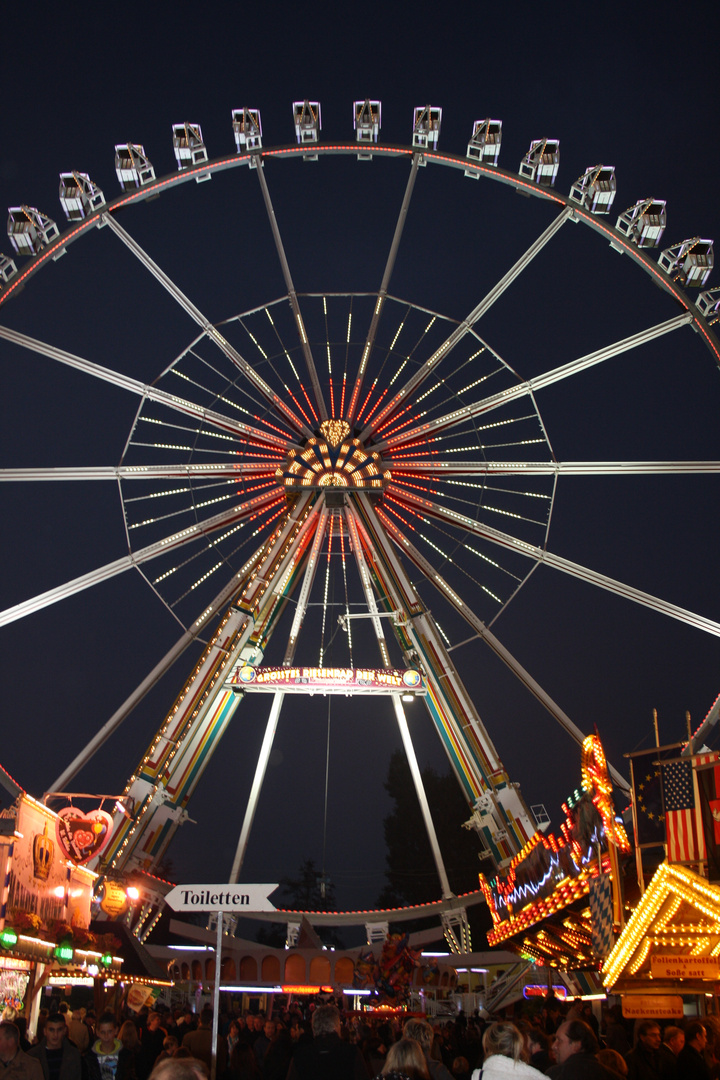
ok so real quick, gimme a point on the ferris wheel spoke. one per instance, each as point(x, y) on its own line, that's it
point(485, 634)
point(246, 469)
point(541, 555)
point(292, 296)
point(211, 331)
point(382, 294)
point(152, 393)
point(194, 631)
point(161, 547)
point(462, 329)
point(530, 386)
point(440, 469)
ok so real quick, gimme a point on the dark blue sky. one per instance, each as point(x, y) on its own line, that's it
point(633, 88)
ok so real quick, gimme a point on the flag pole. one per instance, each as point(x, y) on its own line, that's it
point(638, 852)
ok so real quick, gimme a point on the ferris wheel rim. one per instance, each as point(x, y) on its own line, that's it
point(456, 162)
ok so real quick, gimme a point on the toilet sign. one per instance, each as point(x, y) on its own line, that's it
point(241, 898)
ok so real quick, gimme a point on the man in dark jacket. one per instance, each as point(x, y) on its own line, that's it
point(60, 1059)
point(15, 1064)
point(327, 1057)
point(575, 1050)
point(644, 1061)
point(691, 1063)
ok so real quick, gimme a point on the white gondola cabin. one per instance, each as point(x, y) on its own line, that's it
point(367, 123)
point(708, 304)
point(644, 223)
point(132, 166)
point(542, 161)
point(247, 129)
point(308, 124)
point(8, 269)
point(427, 120)
point(484, 145)
point(595, 190)
point(189, 147)
point(29, 230)
point(690, 262)
point(79, 196)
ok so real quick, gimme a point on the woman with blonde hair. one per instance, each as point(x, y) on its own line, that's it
point(405, 1061)
point(503, 1046)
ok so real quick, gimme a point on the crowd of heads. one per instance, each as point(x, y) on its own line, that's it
point(545, 1036)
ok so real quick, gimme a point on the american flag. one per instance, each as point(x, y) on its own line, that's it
point(707, 814)
point(680, 824)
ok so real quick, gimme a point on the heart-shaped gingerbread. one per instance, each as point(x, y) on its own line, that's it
point(81, 836)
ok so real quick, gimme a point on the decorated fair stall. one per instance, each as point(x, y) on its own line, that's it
point(670, 947)
point(45, 906)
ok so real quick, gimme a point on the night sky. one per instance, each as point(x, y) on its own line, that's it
point(634, 87)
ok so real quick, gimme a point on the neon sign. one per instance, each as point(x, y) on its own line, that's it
point(327, 680)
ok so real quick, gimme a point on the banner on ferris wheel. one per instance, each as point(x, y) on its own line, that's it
point(328, 680)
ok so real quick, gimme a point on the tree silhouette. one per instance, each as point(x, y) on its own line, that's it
point(307, 891)
point(410, 868)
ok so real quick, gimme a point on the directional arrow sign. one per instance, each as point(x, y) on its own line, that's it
point(246, 898)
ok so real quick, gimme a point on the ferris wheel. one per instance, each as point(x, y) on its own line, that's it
point(352, 472)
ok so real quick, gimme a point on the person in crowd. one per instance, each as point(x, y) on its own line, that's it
point(132, 1063)
point(174, 1068)
point(616, 1032)
point(672, 1044)
point(243, 1063)
point(461, 1068)
point(613, 1061)
point(691, 1064)
point(590, 1019)
point(422, 1032)
point(643, 1061)
point(77, 1031)
point(327, 1057)
point(10, 1015)
point(199, 1042)
point(170, 1045)
point(276, 1062)
point(15, 1064)
point(89, 1020)
point(538, 1049)
point(233, 1035)
point(575, 1048)
point(405, 1061)
point(503, 1046)
point(103, 1057)
point(153, 1038)
point(712, 1047)
point(60, 1059)
point(263, 1040)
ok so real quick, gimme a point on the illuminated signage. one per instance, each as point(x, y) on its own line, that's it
point(652, 1006)
point(685, 967)
point(535, 990)
point(327, 680)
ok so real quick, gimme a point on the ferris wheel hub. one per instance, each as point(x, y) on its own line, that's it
point(332, 459)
